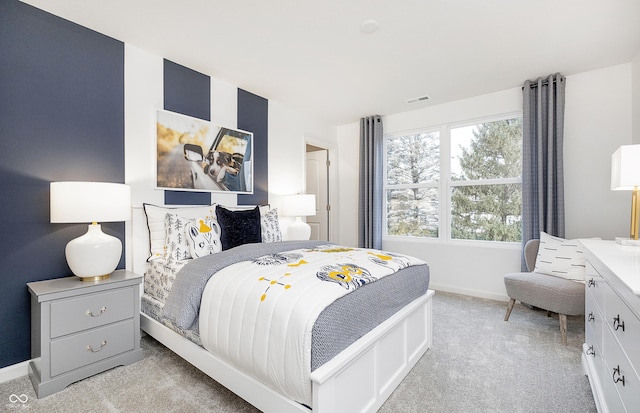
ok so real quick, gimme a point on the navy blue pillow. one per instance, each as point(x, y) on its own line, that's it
point(238, 227)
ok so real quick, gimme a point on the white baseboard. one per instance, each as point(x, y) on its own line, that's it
point(472, 293)
point(14, 371)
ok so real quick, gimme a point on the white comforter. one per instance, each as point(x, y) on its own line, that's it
point(258, 315)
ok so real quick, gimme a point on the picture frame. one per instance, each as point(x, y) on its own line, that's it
point(196, 155)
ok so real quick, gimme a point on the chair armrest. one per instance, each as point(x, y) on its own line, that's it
point(531, 253)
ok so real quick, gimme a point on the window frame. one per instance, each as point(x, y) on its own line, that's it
point(445, 183)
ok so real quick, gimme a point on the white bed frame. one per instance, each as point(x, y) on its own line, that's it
point(371, 368)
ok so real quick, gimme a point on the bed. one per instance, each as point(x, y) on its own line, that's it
point(218, 303)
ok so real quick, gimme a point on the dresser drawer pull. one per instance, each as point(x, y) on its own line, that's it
point(617, 324)
point(590, 351)
point(620, 378)
point(591, 283)
point(90, 348)
point(102, 311)
point(590, 317)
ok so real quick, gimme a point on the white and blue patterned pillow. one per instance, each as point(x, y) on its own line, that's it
point(270, 226)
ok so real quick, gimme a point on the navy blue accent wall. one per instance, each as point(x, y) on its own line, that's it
point(62, 118)
point(253, 116)
point(187, 92)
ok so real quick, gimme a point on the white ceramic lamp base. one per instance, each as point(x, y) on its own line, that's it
point(299, 230)
point(94, 255)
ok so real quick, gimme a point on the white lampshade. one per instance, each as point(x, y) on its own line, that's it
point(94, 255)
point(73, 202)
point(625, 175)
point(300, 205)
point(625, 168)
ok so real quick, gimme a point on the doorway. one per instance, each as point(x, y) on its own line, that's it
point(317, 183)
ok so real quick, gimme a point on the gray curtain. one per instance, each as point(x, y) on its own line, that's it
point(542, 165)
point(370, 189)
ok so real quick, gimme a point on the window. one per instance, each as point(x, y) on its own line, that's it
point(412, 184)
point(480, 177)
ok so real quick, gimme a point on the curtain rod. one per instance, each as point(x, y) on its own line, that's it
point(544, 83)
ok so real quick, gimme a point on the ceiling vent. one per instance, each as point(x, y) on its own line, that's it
point(418, 99)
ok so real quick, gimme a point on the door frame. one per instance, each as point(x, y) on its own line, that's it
point(332, 182)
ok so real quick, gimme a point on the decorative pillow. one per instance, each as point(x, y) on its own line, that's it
point(270, 226)
point(561, 258)
point(155, 222)
point(203, 236)
point(238, 227)
point(176, 246)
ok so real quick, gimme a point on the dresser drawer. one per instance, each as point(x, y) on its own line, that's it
point(92, 310)
point(624, 325)
point(620, 374)
point(593, 323)
point(79, 350)
point(595, 285)
point(593, 350)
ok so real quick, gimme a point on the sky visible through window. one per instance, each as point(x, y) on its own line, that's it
point(460, 138)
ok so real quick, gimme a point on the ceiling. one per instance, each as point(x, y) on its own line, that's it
point(313, 57)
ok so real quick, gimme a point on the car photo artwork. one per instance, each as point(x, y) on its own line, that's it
point(196, 155)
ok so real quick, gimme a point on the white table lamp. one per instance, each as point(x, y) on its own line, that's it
point(625, 175)
point(298, 206)
point(94, 255)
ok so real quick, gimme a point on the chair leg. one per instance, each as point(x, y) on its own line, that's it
point(509, 308)
point(563, 328)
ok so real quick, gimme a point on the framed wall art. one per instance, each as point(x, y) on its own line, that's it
point(196, 155)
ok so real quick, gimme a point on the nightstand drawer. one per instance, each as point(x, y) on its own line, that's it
point(88, 311)
point(80, 350)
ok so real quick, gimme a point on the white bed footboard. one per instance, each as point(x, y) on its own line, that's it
point(371, 368)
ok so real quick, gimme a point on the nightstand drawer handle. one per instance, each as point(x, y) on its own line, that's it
point(620, 377)
point(102, 311)
point(590, 317)
point(90, 348)
point(591, 283)
point(617, 324)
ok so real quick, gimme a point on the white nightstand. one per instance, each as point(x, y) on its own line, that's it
point(79, 329)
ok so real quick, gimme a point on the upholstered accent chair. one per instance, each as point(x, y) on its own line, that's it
point(554, 294)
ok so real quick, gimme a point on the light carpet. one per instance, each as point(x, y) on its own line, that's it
point(478, 363)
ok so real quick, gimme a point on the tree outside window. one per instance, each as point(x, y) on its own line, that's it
point(486, 194)
point(483, 178)
point(412, 175)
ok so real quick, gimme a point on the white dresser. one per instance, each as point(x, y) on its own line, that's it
point(611, 352)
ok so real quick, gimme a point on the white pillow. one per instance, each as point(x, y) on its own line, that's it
point(203, 237)
point(561, 258)
point(270, 226)
point(155, 222)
